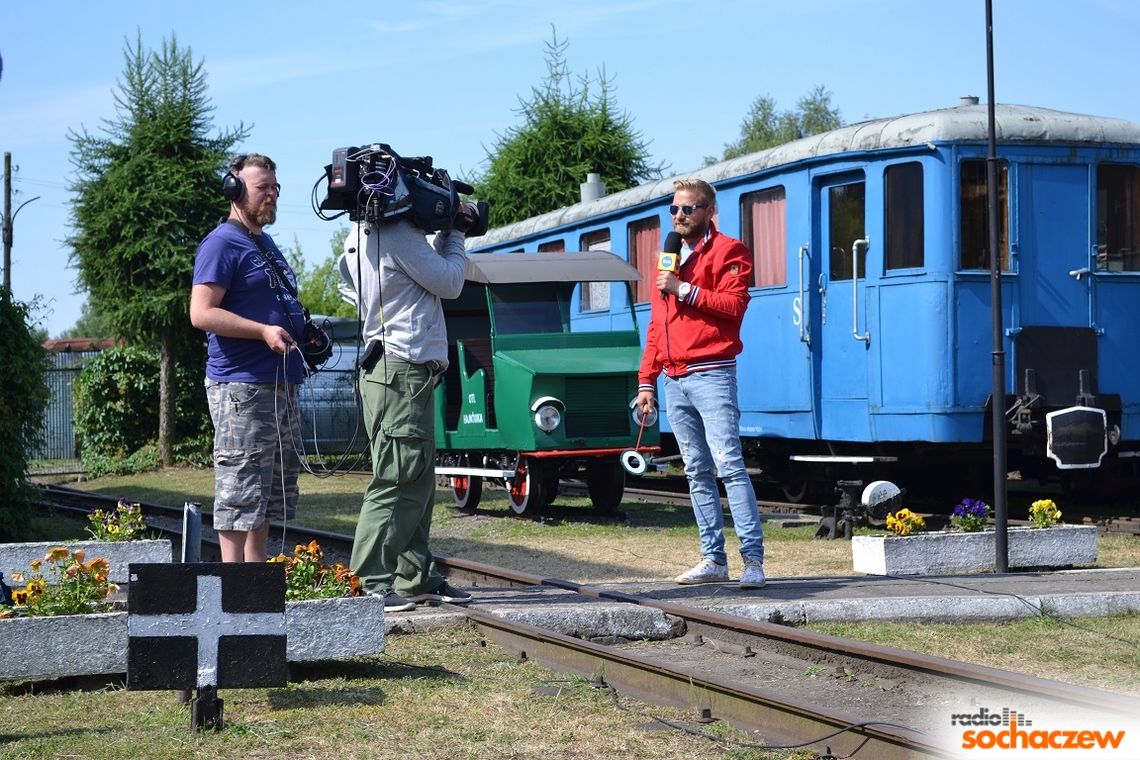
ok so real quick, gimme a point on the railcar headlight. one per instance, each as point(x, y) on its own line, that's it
point(547, 413)
point(635, 411)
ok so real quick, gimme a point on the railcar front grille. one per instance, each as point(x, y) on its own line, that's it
point(598, 406)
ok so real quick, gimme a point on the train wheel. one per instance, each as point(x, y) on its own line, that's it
point(525, 490)
point(467, 490)
point(549, 490)
point(605, 482)
point(795, 490)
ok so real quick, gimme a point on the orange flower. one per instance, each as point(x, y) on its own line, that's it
point(56, 554)
point(100, 568)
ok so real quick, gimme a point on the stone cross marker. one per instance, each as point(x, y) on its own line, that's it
point(208, 625)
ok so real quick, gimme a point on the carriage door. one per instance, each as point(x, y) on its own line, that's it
point(1053, 316)
point(1053, 246)
point(845, 334)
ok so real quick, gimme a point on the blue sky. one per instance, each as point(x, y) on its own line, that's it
point(444, 78)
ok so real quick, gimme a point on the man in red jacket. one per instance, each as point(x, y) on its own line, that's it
point(694, 338)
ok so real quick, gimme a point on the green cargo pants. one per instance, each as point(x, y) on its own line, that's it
point(390, 550)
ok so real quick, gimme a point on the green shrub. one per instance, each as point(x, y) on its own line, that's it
point(116, 413)
point(23, 399)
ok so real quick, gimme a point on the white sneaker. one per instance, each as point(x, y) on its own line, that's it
point(706, 571)
point(753, 576)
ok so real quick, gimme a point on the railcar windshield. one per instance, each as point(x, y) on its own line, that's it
point(529, 308)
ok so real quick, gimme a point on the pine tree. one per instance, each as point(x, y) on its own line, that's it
point(569, 130)
point(146, 192)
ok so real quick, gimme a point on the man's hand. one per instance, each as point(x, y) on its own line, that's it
point(646, 401)
point(278, 339)
point(667, 282)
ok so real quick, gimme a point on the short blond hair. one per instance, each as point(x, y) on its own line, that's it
point(698, 186)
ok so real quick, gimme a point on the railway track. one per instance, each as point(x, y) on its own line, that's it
point(786, 685)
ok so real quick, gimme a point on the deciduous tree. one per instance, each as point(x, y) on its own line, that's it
point(316, 287)
point(23, 399)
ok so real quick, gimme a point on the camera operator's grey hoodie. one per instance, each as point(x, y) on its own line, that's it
point(399, 283)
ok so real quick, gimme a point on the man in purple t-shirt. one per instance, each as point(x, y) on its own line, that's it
point(253, 370)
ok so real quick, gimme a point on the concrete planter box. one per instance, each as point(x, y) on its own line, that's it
point(19, 557)
point(326, 629)
point(951, 552)
point(39, 648)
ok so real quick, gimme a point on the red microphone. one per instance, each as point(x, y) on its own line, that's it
point(669, 260)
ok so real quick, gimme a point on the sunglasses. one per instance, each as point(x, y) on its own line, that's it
point(687, 209)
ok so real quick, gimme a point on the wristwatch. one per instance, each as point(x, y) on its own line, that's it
point(684, 290)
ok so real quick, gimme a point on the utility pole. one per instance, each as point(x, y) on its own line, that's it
point(1001, 511)
point(9, 217)
point(7, 221)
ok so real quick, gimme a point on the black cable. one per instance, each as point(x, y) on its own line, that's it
point(1038, 610)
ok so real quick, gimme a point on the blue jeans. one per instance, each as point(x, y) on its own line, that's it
point(705, 418)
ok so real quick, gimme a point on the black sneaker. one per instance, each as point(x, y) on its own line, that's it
point(393, 602)
point(445, 592)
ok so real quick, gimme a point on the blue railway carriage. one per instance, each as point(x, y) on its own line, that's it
point(868, 341)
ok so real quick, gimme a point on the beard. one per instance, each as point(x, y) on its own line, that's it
point(689, 229)
point(263, 214)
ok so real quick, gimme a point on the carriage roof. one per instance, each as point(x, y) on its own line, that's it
point(964, 123)
point(574, 266)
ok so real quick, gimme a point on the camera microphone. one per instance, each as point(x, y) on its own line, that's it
point(669, 260)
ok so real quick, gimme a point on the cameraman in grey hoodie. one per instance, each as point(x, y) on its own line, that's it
point(397, 279)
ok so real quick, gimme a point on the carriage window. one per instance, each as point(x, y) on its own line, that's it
point(1118, 218)
point(764, 217)
point(553, 246)
point(975, 231)
point(905, 233)
point(596, 295)
point(644, 245)
point(846, 214)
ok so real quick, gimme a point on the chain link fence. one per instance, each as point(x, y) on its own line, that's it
point(330, 410)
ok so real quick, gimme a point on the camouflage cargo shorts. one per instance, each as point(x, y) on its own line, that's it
point(256, 435)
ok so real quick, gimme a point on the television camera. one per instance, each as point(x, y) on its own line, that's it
point(375, 184)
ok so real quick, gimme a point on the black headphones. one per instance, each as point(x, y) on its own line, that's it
point(233, 188)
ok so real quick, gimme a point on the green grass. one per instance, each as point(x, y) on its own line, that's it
point(441, 695)
point(1102, 653)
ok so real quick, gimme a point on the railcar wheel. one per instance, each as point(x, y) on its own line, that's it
point(467, 490)
point(605, 482)
point(525, 490)
point(795, 490)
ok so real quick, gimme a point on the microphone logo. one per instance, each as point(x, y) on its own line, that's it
point(669, 260)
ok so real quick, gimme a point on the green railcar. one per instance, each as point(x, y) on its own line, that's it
point(530, 396)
